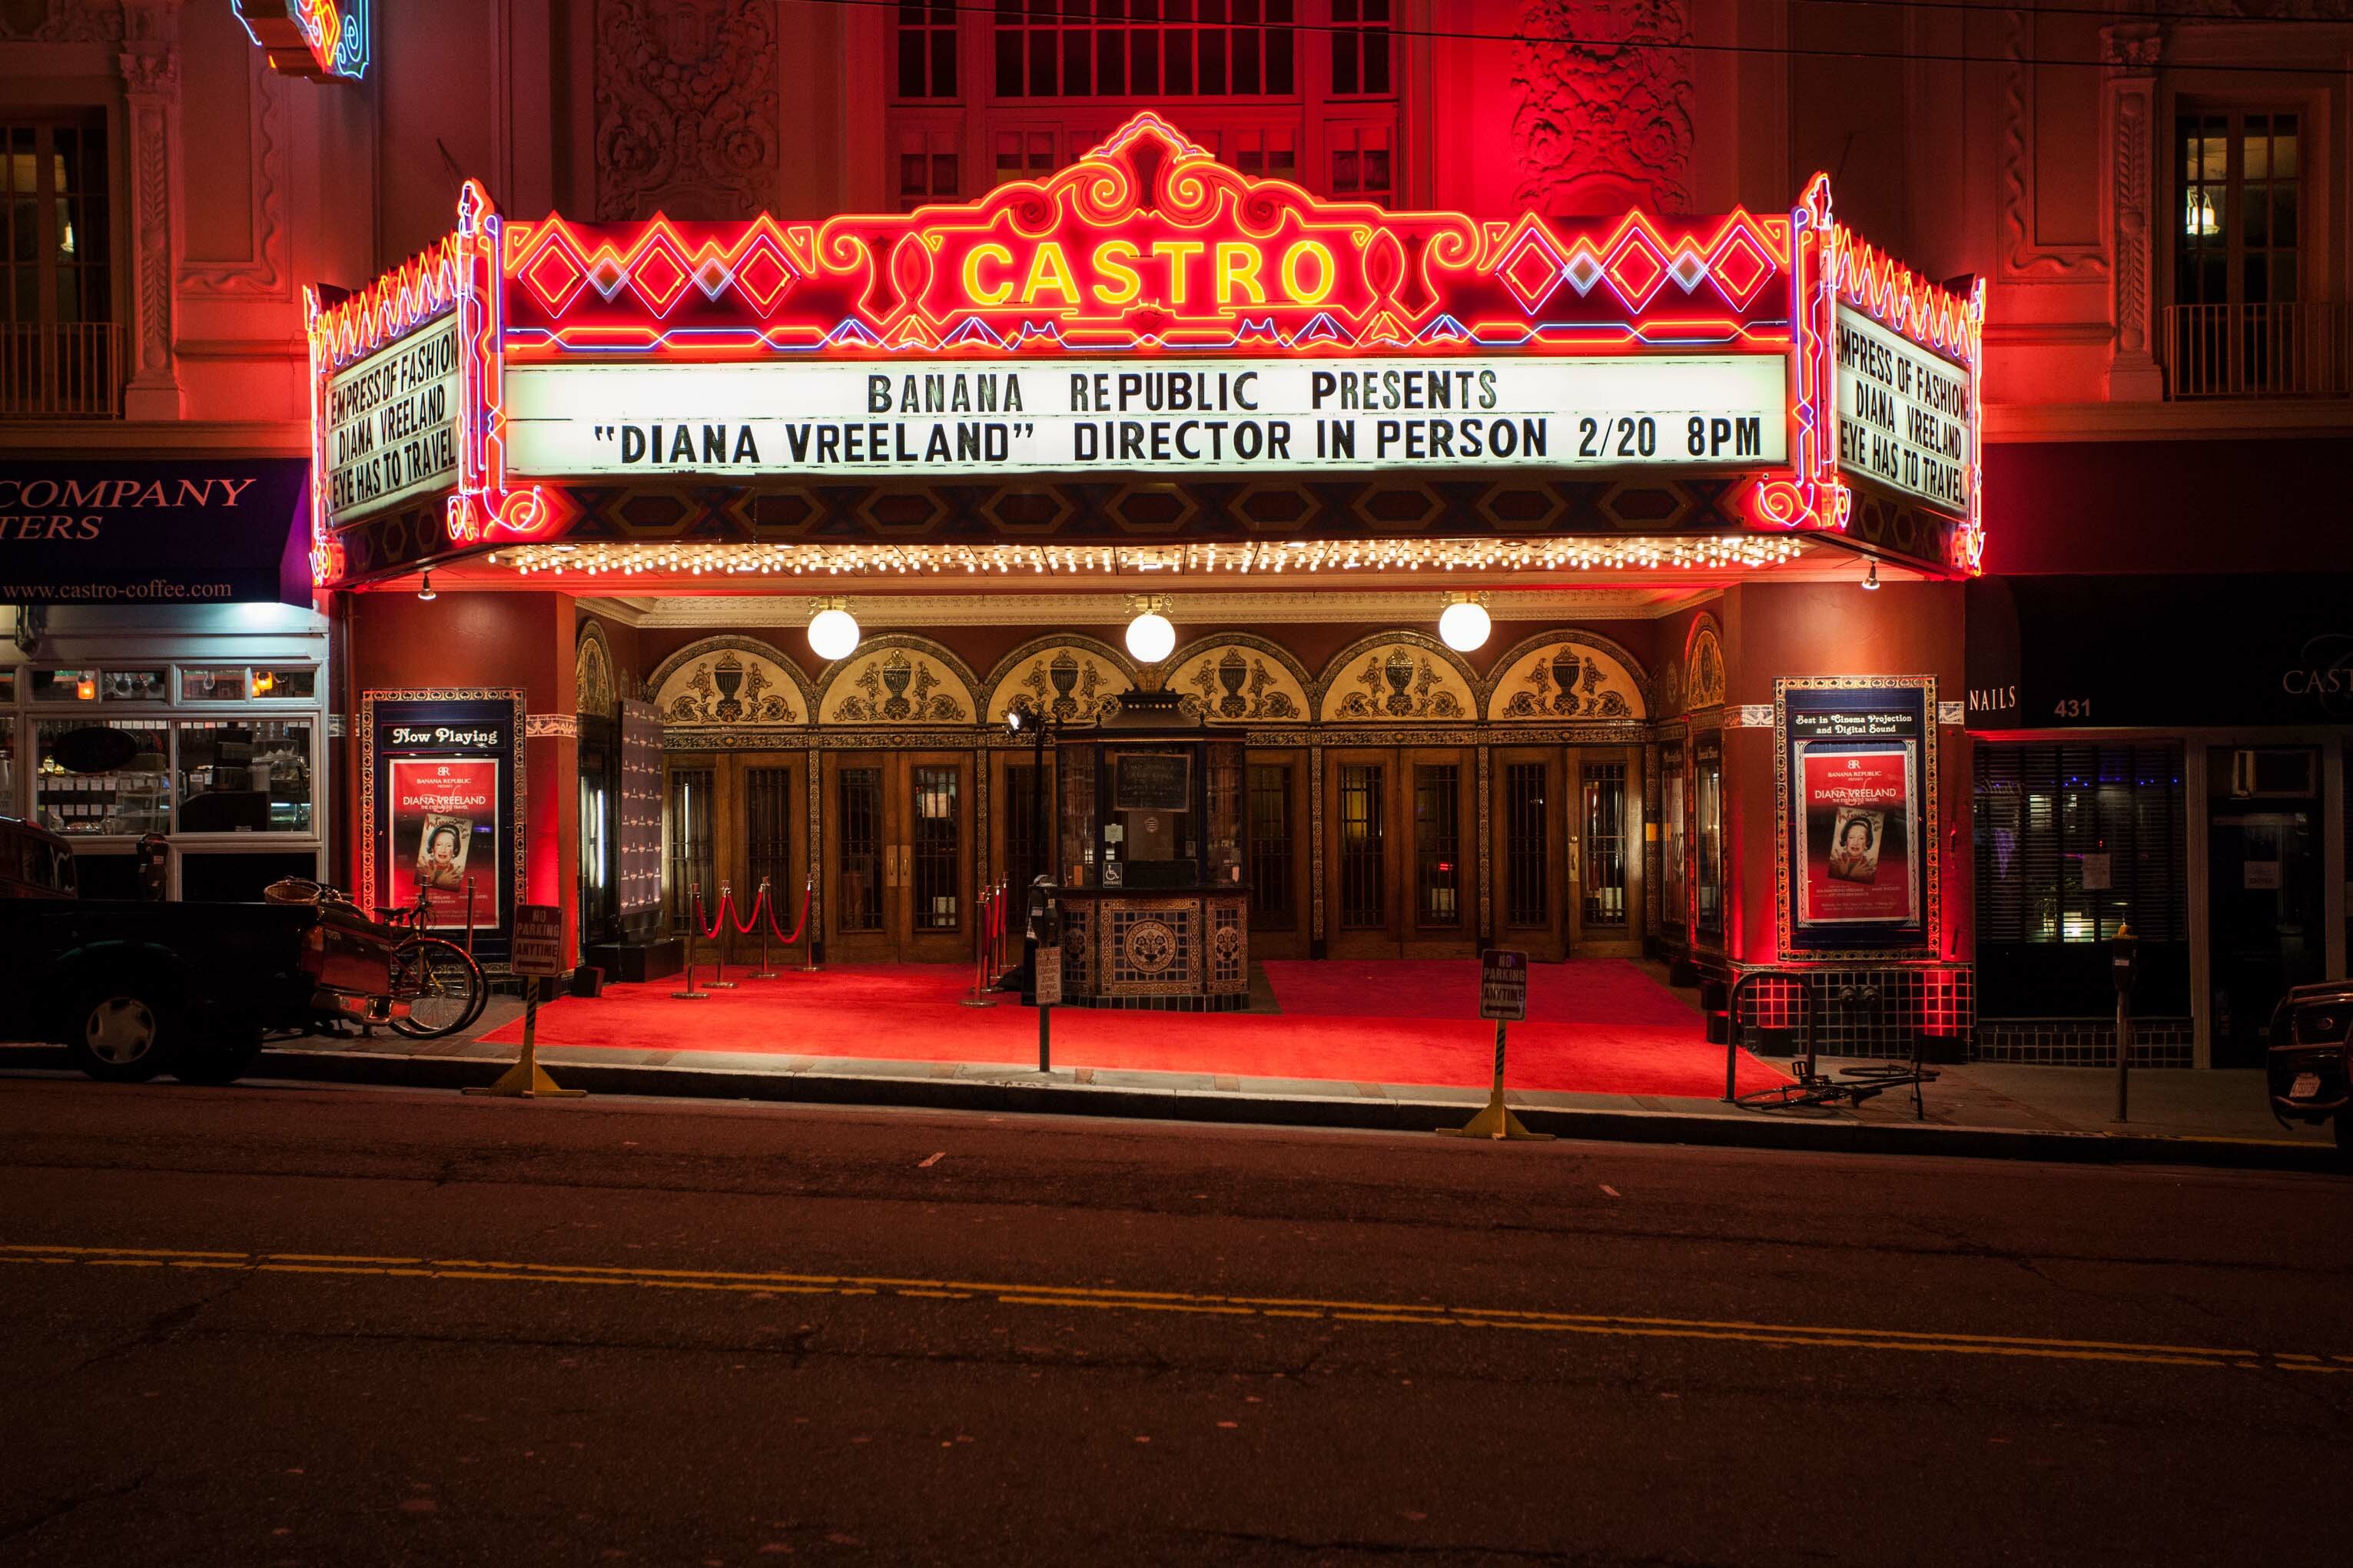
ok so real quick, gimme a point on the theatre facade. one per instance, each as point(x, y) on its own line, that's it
point(1588, 586)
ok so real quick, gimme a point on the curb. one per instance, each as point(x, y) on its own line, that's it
point(1750, 1131)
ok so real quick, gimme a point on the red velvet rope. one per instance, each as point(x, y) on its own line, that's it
point(725, 897)
point(799, 926)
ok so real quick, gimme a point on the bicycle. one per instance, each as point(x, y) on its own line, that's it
point(442, 982)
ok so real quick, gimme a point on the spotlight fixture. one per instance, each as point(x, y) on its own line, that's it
point(1870, 578)
point(425, 588)
point(1464, 624)
point(833, 631)
point(1150, 638)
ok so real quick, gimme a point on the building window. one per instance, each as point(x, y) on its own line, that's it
point(63, 352)
point(930, 168)
point(1143, 49)
point(926, 38)
point(1361, 168)
point(1360, 48)
point(1707, 826)
point(2073, 842)
point(2237, 325)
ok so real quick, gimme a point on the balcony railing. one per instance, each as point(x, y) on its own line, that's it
point(61, 370)
point(2259, 351)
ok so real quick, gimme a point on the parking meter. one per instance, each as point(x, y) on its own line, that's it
point(2123, 962)
point(153, 859)
point(1041, 926)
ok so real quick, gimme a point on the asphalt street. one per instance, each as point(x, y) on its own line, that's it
point(313, 1325)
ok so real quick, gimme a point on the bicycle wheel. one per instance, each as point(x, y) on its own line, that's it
point(444, 984)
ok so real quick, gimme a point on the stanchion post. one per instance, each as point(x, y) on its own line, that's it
point(470, 914)
point(979, 997)
point(760, 908)
point(694, 930)
point(809, 927)
point(719, 981)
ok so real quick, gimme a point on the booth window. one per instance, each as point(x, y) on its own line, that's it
point(64, 352)
point(1707, 811)
point(2073, 841)
point(244, 777)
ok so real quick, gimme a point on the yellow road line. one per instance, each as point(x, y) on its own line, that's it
point(1107, 1298)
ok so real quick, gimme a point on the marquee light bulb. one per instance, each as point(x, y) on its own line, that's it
point(1150, 638)
point(1463, 626)
point(833, 634)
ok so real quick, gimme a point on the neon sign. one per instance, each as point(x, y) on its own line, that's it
point(753, 349)
point(321, 40)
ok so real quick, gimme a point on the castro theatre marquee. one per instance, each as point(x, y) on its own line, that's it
point(1145, 349)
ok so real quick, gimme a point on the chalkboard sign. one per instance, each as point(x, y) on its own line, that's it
point(1154, 781)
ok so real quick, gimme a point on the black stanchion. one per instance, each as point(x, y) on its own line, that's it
point(694, 930)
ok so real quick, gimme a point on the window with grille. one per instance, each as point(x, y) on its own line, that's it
point(926, 40)
point(1707, 826)
point(1272, 900)
point(1364, 847)
point(768, 840)
point(1028, 816)
point(1526, 863)
point(935, 870)
point(1675, 846)
point(858, 856)
point(930, 167)
point(1361, 169)
point(2073, 841)
point(688, 824)
point(1145, 48)
point(63, 354)
point(1436, 845)
point(1360, 48)
point(1605, 846)
point(2236, 243)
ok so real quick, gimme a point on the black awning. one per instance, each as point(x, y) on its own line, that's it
point(2159, 652)
point(146, 531)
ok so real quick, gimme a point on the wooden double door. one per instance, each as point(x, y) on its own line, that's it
point(1401, 862)
point(729, 819)
point(899, 857)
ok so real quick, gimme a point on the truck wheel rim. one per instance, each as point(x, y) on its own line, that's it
point(119, 1030)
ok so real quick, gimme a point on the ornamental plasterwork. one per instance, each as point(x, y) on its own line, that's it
point(1237, 680)
point(729, 683)
point(1397, 678)
point(1564, 678)
point(1073, 679)
point(1704, 666)
point(897, 680)
point(592, 674)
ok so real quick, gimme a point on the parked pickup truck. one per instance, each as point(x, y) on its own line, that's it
point(134, 989)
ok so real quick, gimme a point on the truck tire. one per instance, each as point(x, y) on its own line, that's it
point(222, 1058)
point(123, 1033)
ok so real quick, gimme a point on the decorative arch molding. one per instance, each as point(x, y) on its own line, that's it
point(596, 685)
point(1565, 676)
point(1075, 679)
point(1704, 664)
point(898, 678)
point(730, 682)
point(1237, 678)
point(1397, 675)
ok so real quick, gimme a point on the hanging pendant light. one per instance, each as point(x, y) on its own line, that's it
point(833, 631)
point(1464, 624)
point(1150, 638)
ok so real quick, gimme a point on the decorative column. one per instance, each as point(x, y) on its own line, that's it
point(2131, 51)
point(150, 62)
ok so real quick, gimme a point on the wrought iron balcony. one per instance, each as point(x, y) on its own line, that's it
point(62, 369)
point(2259, 351)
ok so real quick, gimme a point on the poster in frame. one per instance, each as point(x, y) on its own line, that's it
point(441, 796)
point(1855, 776)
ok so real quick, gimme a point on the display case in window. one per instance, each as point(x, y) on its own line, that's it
point(211, 683)
point(1154, 902)
point(110, 779)
point(245, 776)
point(286, 683)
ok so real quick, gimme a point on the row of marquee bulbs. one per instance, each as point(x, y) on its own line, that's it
point(1462, 625)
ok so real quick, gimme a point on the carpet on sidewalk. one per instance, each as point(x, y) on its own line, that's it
point(1580, 991)
point(914, 1012)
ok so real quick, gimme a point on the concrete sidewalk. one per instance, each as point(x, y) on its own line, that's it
point(1985, 1110)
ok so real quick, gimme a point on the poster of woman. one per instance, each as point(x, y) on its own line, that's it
point(1856, 812)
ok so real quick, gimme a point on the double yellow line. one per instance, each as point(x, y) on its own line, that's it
point(1416, 1314)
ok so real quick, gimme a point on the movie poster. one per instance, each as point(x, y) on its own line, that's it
point(444, 816)
point(1855, 810)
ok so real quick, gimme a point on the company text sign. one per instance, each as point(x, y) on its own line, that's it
point(1906, 418)
point(928, 418)
point(392, 424)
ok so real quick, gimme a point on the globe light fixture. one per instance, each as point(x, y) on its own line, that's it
point(1464, 624)
point(1871, 579)
point(833, 631)
point(1150, 638)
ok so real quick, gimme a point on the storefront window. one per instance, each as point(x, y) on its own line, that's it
point(1708, 808)
point(239, 777)
point(103, 778)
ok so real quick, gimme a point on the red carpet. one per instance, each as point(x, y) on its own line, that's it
point(911, 1013)
point(1581, 991)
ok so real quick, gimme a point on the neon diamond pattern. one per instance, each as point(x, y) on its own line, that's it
point(659, 274)
point(1741, 264)
point(1532, 268)
point(1635, 267)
